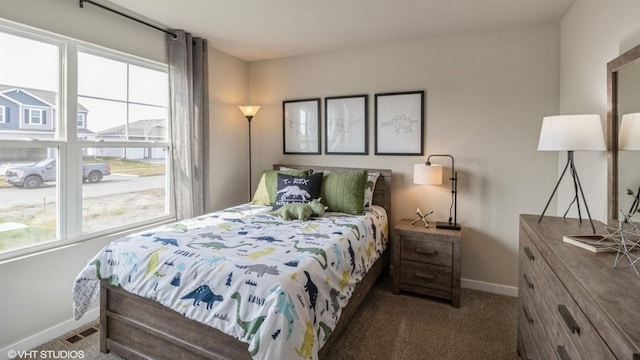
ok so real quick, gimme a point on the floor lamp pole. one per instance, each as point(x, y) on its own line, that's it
point(249, 120)
point(576, 187)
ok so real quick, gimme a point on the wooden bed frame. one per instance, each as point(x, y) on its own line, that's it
point(139, 328)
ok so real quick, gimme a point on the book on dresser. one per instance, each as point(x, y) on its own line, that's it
point(594, 243)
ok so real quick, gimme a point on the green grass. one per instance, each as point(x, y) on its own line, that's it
point(98, 213)
point(17, 238)
point(130, 167)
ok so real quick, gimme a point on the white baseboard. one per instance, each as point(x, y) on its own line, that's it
point(50, 333)
point(489, 287)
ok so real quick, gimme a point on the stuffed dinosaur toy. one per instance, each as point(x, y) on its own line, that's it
point(300, 211)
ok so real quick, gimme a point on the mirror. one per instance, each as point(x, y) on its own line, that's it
point(623, 97)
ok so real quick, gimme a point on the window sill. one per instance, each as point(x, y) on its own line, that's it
point(109, 235)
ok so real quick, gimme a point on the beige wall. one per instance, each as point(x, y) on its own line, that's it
point(593, 33)
point(35, 292)
point(228, 88)
point(486, 94)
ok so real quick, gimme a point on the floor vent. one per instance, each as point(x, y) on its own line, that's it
point(81, 335)
point(73, 339)
point(88, 332)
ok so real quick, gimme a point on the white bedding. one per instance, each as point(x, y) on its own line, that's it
point(277, 285)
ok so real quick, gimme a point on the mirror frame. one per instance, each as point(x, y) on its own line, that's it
point(630, 57)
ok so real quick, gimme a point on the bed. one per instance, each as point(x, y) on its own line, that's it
point(144, 325)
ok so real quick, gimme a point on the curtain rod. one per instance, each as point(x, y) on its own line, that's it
point(127, 16)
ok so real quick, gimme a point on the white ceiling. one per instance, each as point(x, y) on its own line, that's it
point(265, 29)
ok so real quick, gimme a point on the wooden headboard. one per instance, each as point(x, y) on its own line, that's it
point(381, 193)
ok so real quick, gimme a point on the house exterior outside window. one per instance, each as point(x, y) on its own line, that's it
point(20, 118)
point(112, 92)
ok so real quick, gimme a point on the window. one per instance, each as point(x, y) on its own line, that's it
point(35, 117)
point(116, 180)
point(81, 123)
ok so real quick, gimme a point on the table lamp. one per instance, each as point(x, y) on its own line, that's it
point(571, 133)
point(629, 139)
point(431, 174)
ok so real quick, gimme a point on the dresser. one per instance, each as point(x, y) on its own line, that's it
point(427, 261)
point(572, 303)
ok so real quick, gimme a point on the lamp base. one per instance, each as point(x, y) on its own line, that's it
point(446, 225)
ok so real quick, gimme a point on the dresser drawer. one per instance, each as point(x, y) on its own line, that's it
point(531, 333)
point(435, 251)
point(550, 339)
point(567, 314)
point(530, 255)
point(526, 350)
point(530, 316)
point(426, 275)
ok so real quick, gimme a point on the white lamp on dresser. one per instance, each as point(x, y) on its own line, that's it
point(571, 133)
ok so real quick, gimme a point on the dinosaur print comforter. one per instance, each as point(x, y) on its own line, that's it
point(277, 285)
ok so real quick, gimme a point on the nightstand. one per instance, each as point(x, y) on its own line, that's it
point(427, 261)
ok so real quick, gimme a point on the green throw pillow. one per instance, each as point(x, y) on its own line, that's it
point(268, 186)
point(344, 191)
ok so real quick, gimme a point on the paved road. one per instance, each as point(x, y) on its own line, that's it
point(112, 184)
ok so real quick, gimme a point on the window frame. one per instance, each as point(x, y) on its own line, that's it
point(82, 117)
point(32, 111)
point(3, 114)
point(69, 146)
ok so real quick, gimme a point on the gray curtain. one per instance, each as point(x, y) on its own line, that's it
point(188, 97)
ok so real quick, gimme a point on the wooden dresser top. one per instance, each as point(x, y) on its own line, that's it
point(590, 277)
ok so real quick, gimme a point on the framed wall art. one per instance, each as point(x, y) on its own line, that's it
point(399, 123)
point(346, 125)
point(301, 126)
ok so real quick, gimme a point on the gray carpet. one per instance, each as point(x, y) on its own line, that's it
point(405, 326)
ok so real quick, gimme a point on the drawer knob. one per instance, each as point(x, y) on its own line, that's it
point(526, 315)
point(562, 353)
point(426, 251)
point(425, 276)
point(529, 283)
point(568, 319)
point(529, 253)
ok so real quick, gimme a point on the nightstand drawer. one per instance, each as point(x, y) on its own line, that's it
point(435, 251)
point(426, 275)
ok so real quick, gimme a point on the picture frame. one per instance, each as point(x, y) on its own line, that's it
point(346, 125)
point(399, 123)
point(301, 126)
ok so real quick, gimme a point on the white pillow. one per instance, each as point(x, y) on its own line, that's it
point(370, 186)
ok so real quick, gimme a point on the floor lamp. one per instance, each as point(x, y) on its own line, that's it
point(249, 112)
point(629, 139)
point(431, 174)
point(571, 133)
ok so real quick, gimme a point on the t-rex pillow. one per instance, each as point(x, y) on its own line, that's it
point(297, 189)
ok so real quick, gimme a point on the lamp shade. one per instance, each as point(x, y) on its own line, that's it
point(571, 132)
point(249, 110)
point(629, 133)
point(427, 174)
